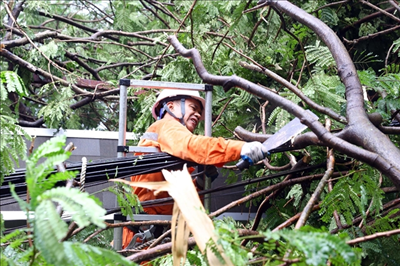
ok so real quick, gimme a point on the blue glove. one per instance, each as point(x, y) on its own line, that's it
point(253, 152)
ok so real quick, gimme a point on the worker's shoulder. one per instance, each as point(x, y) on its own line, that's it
point(162, 123)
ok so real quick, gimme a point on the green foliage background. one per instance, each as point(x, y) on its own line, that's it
point(213, 27)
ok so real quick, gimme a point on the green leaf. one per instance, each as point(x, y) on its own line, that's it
point(50, 49)
point(320, 55)
point(84, 210)
point(12, 145)
point(82, 254)
point(11, 82)
point(49, 229)
point(318, 247)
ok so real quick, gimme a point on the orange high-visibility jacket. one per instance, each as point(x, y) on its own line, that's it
point(172, 137)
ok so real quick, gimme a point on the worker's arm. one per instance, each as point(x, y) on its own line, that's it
point(178, 141)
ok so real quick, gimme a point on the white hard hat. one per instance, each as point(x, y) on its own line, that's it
point(174, 95)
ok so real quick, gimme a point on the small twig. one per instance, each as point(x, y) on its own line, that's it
point(71, 229)
point(374, 236)
point(276, 168)
point(94, 234)
point(380, 10)
point(307, 210)
point(160, 238)
point(262, 18)
point(330, 4)
point(263, 192)
point(257, 67)
point(183, 21)
point(370, 205)
point(263, 116)
point(222, 111)
point(31, 42)
point(32, 146)
point(371, 36)
point(291, 220)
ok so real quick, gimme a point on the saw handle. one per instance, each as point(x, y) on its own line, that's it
point(246, 161)
point(243, 164)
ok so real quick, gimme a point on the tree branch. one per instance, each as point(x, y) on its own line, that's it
point(371, 36)
point(83, 64)
point(317, 192)
point(380, 10)
point(364, 19)
point(374, 236)
point(155, 14)
point(294, 89)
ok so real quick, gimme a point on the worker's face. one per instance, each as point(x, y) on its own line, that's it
point(193, 111)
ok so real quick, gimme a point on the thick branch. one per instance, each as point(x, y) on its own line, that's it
point(15, 13)
point(166, 248)
point(395, 5)
point(73, 23)
point(386, 160)
point(15, 59)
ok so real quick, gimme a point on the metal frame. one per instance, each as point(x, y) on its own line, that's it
point(123, 149)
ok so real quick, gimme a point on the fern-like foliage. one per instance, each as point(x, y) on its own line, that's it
point(388, 82)
point(396, 47)
point(193, 257)
point(329, 16)
point(11, 82)
point(381, 251)
point(391, 221)
point(280, 117)
point(12, 144)
point(126, 199)
point(314, 247)
point(362, 59)
point(323, 89)
point(49, 230)
point(353, 194)
point(229, 240)
point(81, 254)
point(37, 174)
point(81, 206)
point(59, 110)
point(319, 55)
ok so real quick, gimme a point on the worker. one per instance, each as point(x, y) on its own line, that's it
point(178, 113)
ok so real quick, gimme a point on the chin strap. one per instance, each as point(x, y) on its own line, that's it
point(165, 108)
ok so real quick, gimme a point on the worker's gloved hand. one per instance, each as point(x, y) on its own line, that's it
point(210, 171)
point(253, 152)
